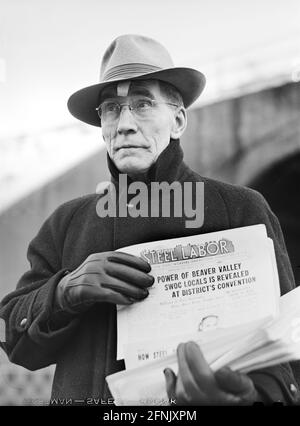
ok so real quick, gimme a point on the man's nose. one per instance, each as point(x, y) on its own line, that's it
point(126, 123)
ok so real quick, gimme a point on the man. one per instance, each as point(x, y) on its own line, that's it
point(64, 308)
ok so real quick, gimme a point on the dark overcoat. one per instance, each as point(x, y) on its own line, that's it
point(84, 349)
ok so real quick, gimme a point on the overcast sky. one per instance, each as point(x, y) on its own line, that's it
point(51, 48)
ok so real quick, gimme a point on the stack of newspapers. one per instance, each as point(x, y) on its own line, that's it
point(220, 290)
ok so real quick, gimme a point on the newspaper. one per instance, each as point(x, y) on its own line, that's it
point(247, 348)
point(202, 282)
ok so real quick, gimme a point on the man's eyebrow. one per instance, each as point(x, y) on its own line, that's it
point(136, 90)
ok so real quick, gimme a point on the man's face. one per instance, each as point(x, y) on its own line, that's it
point(134, 143)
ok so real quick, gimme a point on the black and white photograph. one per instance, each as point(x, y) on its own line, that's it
point(149, 205)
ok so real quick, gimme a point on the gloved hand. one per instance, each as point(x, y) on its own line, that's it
point(111, 277)
point(197, 384)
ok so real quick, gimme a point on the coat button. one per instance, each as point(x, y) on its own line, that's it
point(23, 322)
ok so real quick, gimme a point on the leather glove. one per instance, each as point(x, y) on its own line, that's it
point(197, 384)
point(111, 277)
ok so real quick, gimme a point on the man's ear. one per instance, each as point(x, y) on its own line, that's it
point(179, 124)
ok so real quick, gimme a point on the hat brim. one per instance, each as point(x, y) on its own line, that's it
point(189, 82)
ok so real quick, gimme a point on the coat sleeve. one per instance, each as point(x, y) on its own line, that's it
point(34, 334)
point(247, 207)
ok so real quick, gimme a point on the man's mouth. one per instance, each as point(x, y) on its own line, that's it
point(128, 147)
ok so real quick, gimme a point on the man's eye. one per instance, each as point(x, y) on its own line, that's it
point(143, 104)
point(111, 107)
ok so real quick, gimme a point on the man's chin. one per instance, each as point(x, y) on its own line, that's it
point(133, 167)
point(133, 163)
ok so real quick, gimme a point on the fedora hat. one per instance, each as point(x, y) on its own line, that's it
point(135, 57)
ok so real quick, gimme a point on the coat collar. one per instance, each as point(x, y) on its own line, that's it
point(169, 166)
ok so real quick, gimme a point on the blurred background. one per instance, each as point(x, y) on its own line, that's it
point(245, 128)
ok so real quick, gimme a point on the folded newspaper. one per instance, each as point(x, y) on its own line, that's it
point(219, 289)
